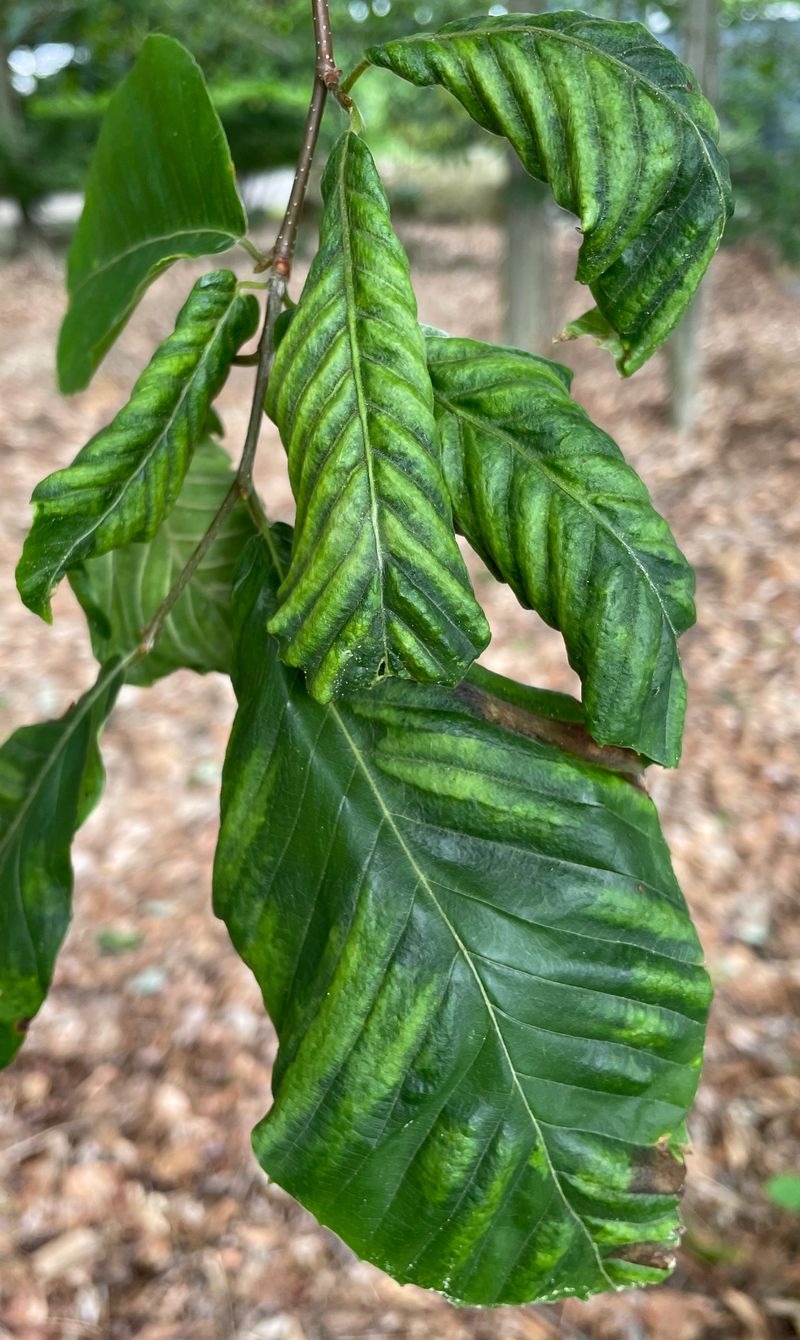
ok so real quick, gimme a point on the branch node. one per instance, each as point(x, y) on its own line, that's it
point(329, 74)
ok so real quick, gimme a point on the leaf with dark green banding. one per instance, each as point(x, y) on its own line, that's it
point(123, 483)
point(488, 993)
point(161, 186)
point(546, 499)
point(120, 591)
point(51, 777)
point(617, 126)
point(377, 585)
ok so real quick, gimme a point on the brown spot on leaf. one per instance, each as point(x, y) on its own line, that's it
point(647, 1254)
point(657, 1172)
point(566, 735)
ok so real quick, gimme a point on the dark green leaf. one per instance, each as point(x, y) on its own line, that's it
point(616, 124)
point(377, 585)
point(124, 482)
point(51, 776)
point(120, 591)
point(487, 990)
point(160, 186)
point(547, 500)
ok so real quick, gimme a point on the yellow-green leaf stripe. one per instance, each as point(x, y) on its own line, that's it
point(377, 585)
point(488, 994)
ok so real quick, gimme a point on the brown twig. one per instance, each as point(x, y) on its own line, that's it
point(327, 69)
point(154, 625)
point(277, 288)
point(283, 251)
point(326, 78)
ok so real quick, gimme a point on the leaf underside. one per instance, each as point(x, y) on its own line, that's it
point(125, 481)
point(51, 776)
point(161, 186)
point(487, 990)
point(377, 585)
point(617, 126)
point(546, 499)
point(121, 590)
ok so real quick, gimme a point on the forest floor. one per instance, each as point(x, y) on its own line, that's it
point(130, 1203)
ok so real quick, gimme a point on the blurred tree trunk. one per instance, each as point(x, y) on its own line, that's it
point(529, 248)
point(11, 128)
point(12, 131)
point(701, 52)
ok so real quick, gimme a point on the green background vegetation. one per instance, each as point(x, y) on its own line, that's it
point(255, 54)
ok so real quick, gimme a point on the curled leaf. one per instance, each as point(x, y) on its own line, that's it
point(123, 483)
point(617, 126)
point(546, 499)
point(377, 585)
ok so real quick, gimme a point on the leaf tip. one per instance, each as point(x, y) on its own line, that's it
point(34, 593)
point(599, 329)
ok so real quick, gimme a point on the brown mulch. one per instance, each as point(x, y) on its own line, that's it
point(130, 1204)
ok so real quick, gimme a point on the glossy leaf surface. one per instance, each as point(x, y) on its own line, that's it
point(487, 990)
point(617, 126)
point(123, 483)
point(51, 776)
point(377, 585)
point(121, 590)
point(161, 186)
point(546, 499)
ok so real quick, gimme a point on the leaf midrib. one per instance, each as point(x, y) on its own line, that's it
point(658, 93)
point(141, 246)
point(424, 883)
point(89, 700)
point(531, 459)
point(144, 461)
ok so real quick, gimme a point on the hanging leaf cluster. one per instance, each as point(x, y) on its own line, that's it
point(451, 888)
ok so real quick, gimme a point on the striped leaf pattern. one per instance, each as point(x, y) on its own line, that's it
point(546, 499)
point(377, 585)
point(487, 990)
point(120, 591)
point(123, 483)
point(51, 777)
point(617, 126)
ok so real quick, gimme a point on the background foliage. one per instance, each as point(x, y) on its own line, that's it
point(254, 54)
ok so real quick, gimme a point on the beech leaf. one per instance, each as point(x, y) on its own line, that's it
point(51, 777)
point(547, 500)
point(161, 186)
point(617, 125)
point(125, 481)
point(488, 994)
point(121, 590)
point(377, 585)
